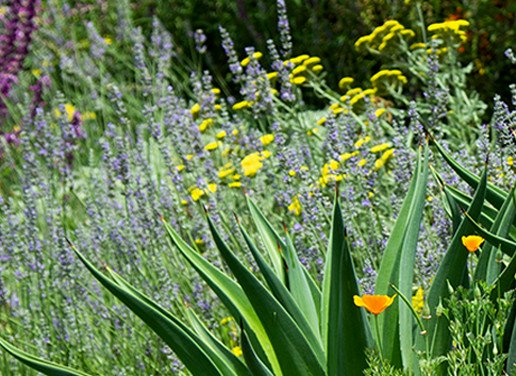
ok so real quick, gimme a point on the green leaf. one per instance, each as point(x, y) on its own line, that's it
point(507, 246)
point(229, 292)
point(174, 333)
point(451, 272)
point(280, 292)
point(270, 238)
point(399, 256)
point(406, 266)
point(39, 364)
point(227, 362)
point(345, 328)
point(251, 358)
point(299, 286)
point(294, 352)
point(494, 195)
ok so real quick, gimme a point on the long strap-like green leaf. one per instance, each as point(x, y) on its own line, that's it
point(344, 326)
point(182, 342)
point(39, 364)
point(296, 355)
point(230, 293)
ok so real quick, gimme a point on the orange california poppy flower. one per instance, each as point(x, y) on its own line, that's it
point(375, 304)
point(472, 242)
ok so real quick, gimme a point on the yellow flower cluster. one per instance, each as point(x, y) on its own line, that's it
point(253, 162)
point(197, 193)
point(304, 64)
point(295, 206)
point(449, 30)
point(328, 173)
point(380, 162)
point(418, 300)
point(384, 37)
point(388, 78)
point(254, 56)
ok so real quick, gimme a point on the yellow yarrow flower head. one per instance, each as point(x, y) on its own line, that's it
point(295, 206)
point(212, 146)
point(196, 194)
point(220, 135)
point(252, 163)
point(345, 82)
point(418, 300)
point(472, 242)
point(195, 110)
point(241, 105)
point(267, 139)
point(205, 124)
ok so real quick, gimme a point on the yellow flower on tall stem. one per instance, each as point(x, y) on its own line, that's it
point(375, 304)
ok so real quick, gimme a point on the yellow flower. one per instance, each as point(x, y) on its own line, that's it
point(205, 124)
point(234, 132)
point(292, 173)
point(184, 202)
point(295, 206)
point(217, 107)
point(299, 70)
point(220, 135)
point(380, 147)
point(36, 72)
point(196, 108)
point(472, 242)
point(272, 75)
point(108, 41)
point(180, 168)
point(236, 177)
point(212, 187)
point(418, 300)
point(510, 161)
point(362, 162)
point(237, 351)
point(345, 81)
point(312, 61)
point(321, 121)
point(189, 157)
point(417, 46)
point(267, 139)
point(235, 184)
point(375, 304)
point(344, 157)
point(251, 164)
point(215, 91)
point(226, 320)
point(225, 172)
point(265, 154)
point(298, 80)
point(196, 194)
point(241, 105)
point(247, 60)
point(379, 112)
point(212, 146)
point(388, 154)
point(317, 68)
point(362, 141)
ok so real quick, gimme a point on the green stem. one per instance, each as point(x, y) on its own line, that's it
point(378, 337)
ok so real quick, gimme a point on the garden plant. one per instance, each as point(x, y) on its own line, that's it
point(164, 213)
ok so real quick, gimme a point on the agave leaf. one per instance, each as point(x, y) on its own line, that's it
point(225, 358)
point(251, 358)
point(494, 195)
point(299, 286)
point(295, 354)
point(511, 360)
point(227, 363)
point(174, 334)
point(270, 238)
point(280, 292)
point(345, 328)
point(389, 272)
point(230, 293)
point(451, 272)
point(406, 266)
point(39, 364)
